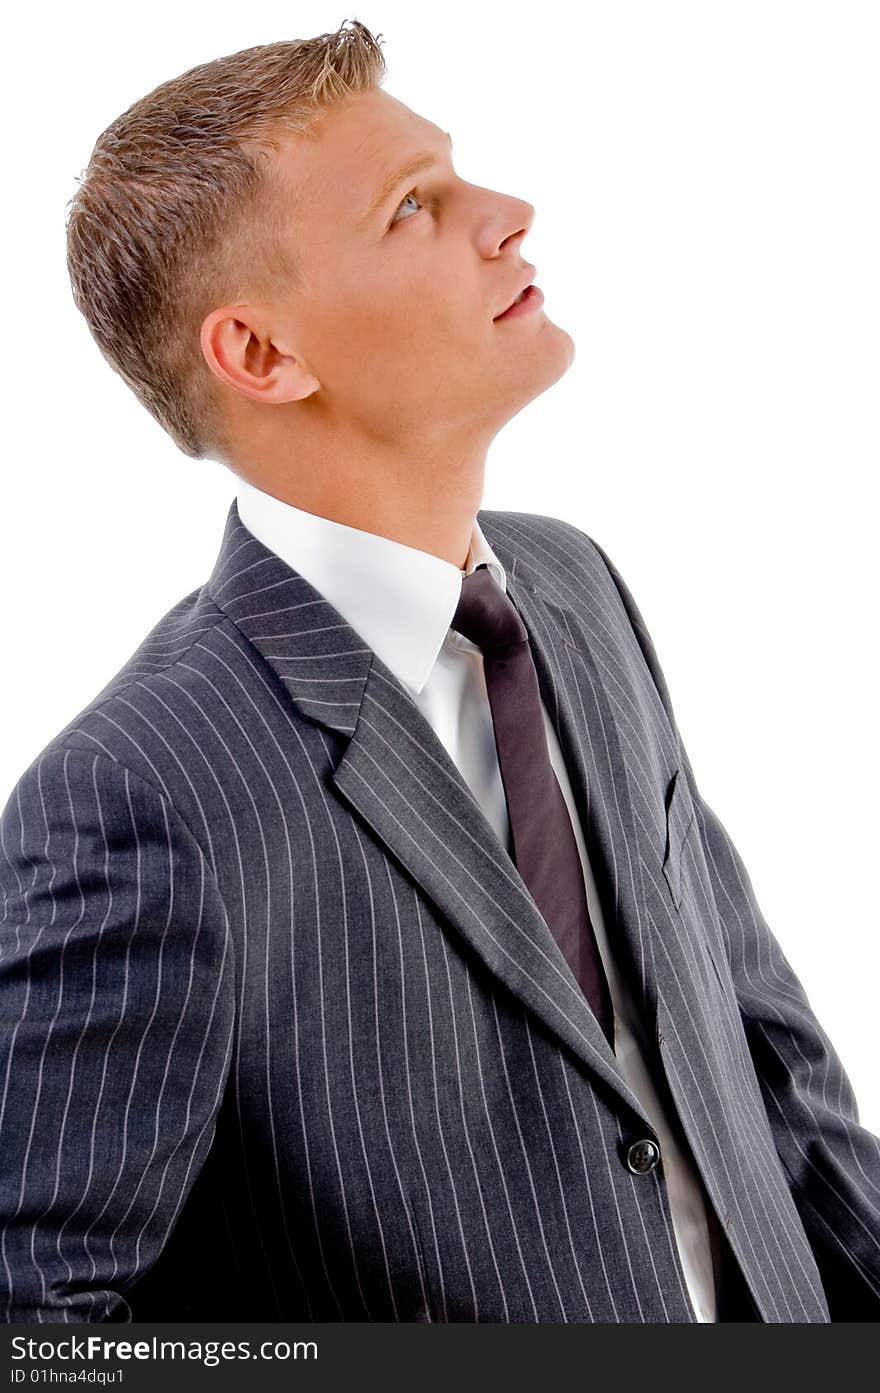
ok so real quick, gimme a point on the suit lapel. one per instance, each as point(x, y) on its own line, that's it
point(399, 777)
point(396, 773)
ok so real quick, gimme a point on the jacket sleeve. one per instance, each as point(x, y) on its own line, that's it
point(832, 1163)
point(116, 1020)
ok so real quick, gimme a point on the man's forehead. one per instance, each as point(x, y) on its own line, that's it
point(344, 166)
point(358, 135)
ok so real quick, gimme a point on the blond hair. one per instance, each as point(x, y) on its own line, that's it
point(177, 212)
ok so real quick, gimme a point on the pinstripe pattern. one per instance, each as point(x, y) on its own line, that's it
point(285, 1037)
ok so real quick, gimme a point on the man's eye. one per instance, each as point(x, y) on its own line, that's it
point(411, 194)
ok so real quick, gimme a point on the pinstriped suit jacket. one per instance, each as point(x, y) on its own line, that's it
point(286, 1037)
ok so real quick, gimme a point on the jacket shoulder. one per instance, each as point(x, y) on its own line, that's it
point(536, 540)
point(166, 643)
point(540, 544)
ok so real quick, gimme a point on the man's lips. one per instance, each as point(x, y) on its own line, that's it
point(532, 299)
point(529, 273)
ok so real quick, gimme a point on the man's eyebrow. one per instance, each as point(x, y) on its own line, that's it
point(416, 165)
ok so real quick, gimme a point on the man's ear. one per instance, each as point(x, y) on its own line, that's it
point(242, 350)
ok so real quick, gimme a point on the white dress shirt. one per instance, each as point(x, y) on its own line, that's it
point(401, 602)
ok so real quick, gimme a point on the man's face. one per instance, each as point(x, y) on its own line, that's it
point(394, 316)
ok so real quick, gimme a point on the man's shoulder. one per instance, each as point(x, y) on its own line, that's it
point(535, 524)
point(164, 648)
point(536, 540)
point(571, 564)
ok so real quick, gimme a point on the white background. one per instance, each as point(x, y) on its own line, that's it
point(705, 179)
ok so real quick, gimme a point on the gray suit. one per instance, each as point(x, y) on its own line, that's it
point(286, 1037)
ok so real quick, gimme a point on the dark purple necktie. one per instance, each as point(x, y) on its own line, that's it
point(545, 851)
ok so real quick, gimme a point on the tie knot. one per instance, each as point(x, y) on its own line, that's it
point(486, 615)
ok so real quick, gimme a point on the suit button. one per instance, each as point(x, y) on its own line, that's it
point(642, 1156)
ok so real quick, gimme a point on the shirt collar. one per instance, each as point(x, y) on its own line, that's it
point(400, 600)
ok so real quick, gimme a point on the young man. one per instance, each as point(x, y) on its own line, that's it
point(369, 952)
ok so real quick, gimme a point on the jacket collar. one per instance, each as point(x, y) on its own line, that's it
point(399, 599)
